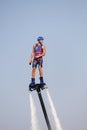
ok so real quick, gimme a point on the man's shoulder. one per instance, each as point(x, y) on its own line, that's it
point(43, 46)
point(35, 45)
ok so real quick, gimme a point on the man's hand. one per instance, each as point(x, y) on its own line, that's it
point(30, 62)
point(36, 57)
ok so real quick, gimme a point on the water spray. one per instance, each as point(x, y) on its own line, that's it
point(34, 119)
point(54, 113)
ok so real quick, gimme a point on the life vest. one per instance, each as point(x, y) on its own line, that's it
point(38, 51)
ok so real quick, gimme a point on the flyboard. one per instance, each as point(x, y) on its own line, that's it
point(39, 88)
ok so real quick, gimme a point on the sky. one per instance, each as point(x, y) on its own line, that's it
point(63, 24)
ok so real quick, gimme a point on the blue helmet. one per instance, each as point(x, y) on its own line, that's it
point(40, 38)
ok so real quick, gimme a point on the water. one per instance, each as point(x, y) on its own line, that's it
point(53, 112)
point(34, 118)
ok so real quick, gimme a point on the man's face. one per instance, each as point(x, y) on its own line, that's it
point(41, 41)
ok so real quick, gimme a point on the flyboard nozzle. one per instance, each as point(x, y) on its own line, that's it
point(38, 90)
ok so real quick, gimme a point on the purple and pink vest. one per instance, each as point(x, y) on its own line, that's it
point(37, 51)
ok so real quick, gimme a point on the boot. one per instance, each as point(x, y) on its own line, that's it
point(42, 81)
point(32, 82)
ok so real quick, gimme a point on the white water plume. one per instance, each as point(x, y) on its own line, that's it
point(54, 113)
point(34, 119)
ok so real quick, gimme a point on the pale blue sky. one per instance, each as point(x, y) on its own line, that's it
point(64, 27)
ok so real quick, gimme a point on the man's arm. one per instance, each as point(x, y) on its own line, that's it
point(32, 55)
point(44, 51)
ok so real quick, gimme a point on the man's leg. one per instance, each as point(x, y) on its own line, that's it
point(41, 75)
point(34, 65)
point(33, 72)
point(40, 71)
point(33, 77)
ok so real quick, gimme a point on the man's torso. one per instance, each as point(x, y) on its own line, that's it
point(38, 51)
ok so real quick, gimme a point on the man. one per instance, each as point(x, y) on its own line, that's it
point(37, 54)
